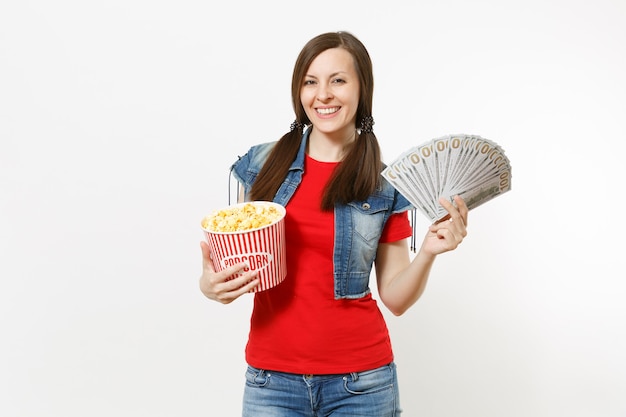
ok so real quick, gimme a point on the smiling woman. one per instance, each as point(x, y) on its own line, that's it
point(341, 215)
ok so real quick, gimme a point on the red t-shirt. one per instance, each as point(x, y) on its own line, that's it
point(298, 326)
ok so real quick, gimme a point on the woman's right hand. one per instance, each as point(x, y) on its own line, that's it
point(217, 285)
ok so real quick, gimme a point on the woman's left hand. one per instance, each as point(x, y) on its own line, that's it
point(448, 233)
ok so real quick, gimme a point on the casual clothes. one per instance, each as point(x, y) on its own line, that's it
point(299, 326)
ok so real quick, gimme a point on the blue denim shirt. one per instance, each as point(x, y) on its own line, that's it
point(358, 225)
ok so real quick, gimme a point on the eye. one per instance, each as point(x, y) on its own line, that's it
point(338, 81)
point(309, 82)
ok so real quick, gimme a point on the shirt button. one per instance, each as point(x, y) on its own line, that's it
point(365, 206)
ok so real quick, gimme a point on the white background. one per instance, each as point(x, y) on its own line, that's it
point(119, 121)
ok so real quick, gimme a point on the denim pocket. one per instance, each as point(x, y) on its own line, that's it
point(368, 382)
point(368, 218)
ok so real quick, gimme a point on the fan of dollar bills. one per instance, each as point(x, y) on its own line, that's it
point(470, 166)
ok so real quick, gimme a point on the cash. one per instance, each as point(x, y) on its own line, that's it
point(470, 166)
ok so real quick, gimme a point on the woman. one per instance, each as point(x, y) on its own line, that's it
point(318, 343)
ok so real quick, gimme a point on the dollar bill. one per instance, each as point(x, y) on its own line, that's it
point(470, 166)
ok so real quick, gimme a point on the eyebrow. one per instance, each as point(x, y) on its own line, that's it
point(334, 74)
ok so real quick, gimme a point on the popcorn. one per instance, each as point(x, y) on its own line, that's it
point(244, 217)
point(251, 232)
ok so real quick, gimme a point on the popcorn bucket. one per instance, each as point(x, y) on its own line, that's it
point(262, 248)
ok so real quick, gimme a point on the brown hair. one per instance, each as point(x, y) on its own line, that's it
point(358, 175)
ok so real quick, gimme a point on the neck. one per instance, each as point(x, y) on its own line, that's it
point(326, 148)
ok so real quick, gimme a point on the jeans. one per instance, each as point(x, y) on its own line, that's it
point(371, 393)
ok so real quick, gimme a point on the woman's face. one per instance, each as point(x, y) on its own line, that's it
point(330, 92)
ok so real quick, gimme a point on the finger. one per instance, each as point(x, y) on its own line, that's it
point(243, 283)
point(454, 212)
point(446, 204)
point(236, 287)
point(462, 208)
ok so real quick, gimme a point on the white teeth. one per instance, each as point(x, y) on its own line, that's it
point(328, 111)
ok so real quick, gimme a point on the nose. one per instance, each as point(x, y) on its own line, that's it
point(324, 93)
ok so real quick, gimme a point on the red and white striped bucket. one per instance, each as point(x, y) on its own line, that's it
point(263, 249)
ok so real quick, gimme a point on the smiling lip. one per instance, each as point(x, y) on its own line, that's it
point(327, 110)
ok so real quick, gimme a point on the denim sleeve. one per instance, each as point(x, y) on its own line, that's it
point(246, 168)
